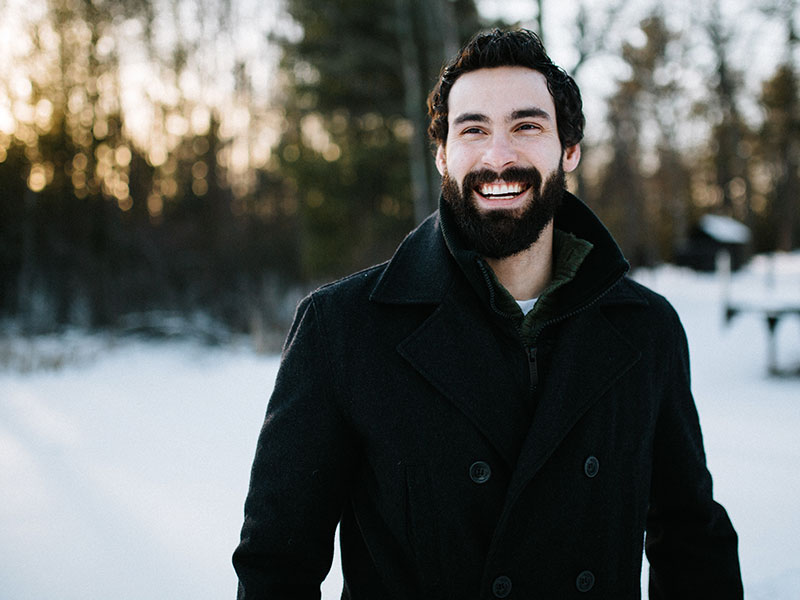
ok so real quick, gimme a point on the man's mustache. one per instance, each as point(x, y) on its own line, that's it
point(525, 175)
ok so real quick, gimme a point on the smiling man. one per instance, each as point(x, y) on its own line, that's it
point(498, 411)
point(503, 168)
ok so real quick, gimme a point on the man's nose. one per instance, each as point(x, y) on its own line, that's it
point(500, 153)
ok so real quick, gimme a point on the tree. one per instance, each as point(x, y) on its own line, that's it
point(592, 31)
point(72, 145)
point(353, 149)
point(101, 177)
point(780, 135)
point(621, 199)
point(781, 146)
point(730, 134)
point(644, 190)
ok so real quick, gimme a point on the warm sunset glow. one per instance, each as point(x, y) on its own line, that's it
point(199, 187)
point(155, 204)
point(47, 81)
point(122, 156)
point(125, 203)
point(199, 170)
point(37, 180)
point(7, 123)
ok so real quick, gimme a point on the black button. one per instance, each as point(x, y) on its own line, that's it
point(501, 587)
point(480, 472)
point(591, 466)
point(585, 581)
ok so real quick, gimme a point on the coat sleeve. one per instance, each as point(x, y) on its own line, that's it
point(299, 477)
point(691, 544)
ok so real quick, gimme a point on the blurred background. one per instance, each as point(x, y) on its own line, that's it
point(176, 174)
point(206, 162)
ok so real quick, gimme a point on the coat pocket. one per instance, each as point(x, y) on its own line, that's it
point(422, 529)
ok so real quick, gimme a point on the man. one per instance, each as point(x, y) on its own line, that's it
point(497, 412)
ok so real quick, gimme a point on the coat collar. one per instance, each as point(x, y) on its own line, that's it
point(422, 268)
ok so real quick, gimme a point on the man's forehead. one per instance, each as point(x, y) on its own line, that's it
point(499, 91)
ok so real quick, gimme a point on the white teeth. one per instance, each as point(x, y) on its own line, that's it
point(500, 189)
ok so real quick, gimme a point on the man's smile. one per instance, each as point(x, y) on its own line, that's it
point(501, 190)
point(500, 194)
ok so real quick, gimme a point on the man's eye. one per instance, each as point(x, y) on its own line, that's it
point(529, 127)
point(470, 130)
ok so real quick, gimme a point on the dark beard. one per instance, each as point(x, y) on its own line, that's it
point(502, 233)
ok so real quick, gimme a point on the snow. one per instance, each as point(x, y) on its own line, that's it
point(124, 465)
point(724, 229)
point(125, 477)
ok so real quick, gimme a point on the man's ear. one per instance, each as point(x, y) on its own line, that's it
point(571, 157)
point(441, 159)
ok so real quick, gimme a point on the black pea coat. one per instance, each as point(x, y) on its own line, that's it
point(390, 413)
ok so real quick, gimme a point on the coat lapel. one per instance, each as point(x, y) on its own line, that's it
point(461, 357)
point(454, 349)
point(583, 369)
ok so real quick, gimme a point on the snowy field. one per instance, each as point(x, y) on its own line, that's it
point(123, 472)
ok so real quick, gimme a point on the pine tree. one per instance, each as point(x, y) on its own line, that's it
point(354, 150)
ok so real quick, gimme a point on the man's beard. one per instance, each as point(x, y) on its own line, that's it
point(499, 233)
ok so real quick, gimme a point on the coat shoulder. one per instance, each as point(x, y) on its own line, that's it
point(646, 315)
point(357, 286)
point(632, 292)
point(419, 272)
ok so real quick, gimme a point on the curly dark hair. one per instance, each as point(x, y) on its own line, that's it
point(515, 48)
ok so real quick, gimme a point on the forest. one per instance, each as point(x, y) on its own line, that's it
point(212, 161)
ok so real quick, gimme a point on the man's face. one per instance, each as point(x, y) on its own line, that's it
point(502, 164)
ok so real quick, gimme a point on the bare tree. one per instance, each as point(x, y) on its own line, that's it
point(429, 32)
point(781, 133)
point(730, 132)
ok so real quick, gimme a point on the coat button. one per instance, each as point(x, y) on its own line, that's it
point(501, 587)
point(585, 581)
point(480, 472)
point(591, 466)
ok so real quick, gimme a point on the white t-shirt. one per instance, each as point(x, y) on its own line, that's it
point(526, 305)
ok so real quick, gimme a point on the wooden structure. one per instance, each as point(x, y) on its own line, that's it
point(711, 235)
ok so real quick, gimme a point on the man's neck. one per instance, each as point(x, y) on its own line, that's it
point(526, 274)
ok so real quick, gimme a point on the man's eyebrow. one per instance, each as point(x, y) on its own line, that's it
point(467, 117)
point(527, 113)
point(522, 113)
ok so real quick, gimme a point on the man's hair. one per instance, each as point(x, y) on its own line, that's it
point(517, 48)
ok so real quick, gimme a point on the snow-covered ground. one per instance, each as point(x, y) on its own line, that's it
point(123, 473)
